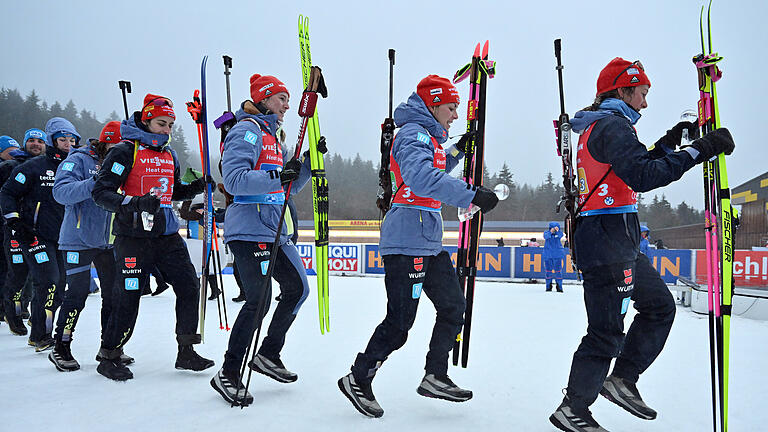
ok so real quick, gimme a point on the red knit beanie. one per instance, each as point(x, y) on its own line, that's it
point(435, 90)
point(111, 133)
point(621, 73)
point(156, 106)
point(264, 86)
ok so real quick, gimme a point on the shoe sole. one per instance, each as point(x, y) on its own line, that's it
point(228, 398)
point(45, 348)
point(558, 423)
point(59, 367)
point(607, 394)
point(255, 367)
point(208, 365)
point(426, 393)
point(347, 392)
point(121, 379)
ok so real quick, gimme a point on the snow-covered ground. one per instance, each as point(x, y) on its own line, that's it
point(522, 343)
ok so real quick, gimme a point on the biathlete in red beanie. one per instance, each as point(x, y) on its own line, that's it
point(412, 248)
point(613, 166)
point(145, 169)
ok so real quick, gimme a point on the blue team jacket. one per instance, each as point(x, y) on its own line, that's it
point(86, 225)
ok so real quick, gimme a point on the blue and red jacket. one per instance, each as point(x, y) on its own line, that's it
point(416, 228)
point(251, 163)
point(604, 238)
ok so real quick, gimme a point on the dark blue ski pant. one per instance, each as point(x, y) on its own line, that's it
point(607, 293)
point(405, 279)
point(252, 260)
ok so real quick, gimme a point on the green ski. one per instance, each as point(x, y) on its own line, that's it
point(319, 187)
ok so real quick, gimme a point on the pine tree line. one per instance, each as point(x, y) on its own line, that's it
point(17, 114)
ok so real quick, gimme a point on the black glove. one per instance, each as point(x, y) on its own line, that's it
point(290, 171)
point(485, 198)
point(712, 144)
point(674, 135)
point(199, 184)
point(322, 147)
point(461, 145)
point(21, 231)
point(145, 203)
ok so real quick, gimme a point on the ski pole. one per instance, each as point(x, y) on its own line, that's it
point(125, 87)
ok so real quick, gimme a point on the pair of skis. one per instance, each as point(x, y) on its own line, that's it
point(718, 220)
point(317, 148)
point(198, 109)
point(479, 70)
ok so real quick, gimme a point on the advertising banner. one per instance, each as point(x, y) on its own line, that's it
point(492, 262)
point(750, 268)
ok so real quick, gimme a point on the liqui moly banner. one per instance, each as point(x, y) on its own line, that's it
point(344, 259)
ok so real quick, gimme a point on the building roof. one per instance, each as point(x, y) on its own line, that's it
point(753, 190)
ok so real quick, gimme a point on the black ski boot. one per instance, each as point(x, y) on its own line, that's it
point(273, 368)
point(45, 343)
point(441, 387)
point(111, 367)
point(16, 325)
point(567, 419)
point(188, 359)
point(240, 297)
point(61, 357)
point(215, 292)
point(361, 396)
point(231, 388)
point(549, 286)
point(124, 358)
point(624, 394)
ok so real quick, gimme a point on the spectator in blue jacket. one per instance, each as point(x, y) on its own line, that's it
point(84, 239)
point(645, 240)
point(412, 245)
point(253, 172)
point(553, 256)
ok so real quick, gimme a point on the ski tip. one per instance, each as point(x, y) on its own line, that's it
point(477, 50)
point(485, 50)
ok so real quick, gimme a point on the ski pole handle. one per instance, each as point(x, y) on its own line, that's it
point(308, 104)
point(227, 67)
point(125, 87)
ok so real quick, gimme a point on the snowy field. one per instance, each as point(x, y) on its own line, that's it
point(522, 343)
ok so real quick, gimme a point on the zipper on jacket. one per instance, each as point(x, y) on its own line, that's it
point(37, 210)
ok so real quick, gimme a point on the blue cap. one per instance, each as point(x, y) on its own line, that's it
point(553, 225)
point(34, 133)
point(7, 142)
point(644, 228)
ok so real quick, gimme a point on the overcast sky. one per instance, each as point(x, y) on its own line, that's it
point(79, 50)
